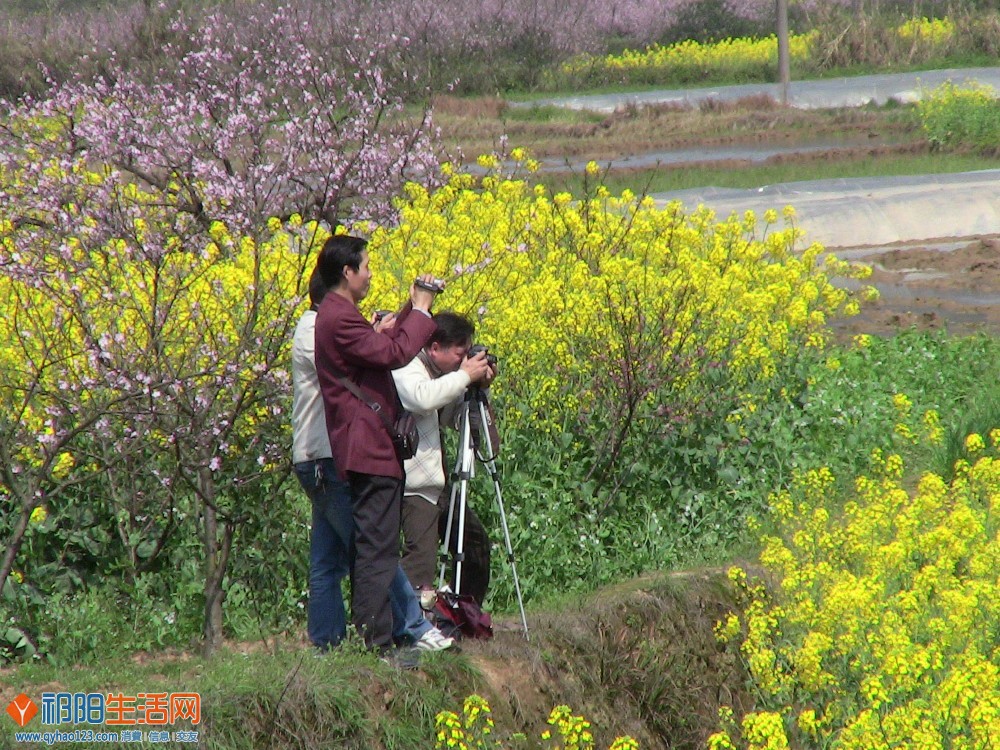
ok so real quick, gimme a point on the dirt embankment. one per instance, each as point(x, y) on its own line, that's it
point(639, 659)
point(951, 285)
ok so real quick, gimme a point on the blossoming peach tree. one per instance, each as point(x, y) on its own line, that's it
point(153, 241)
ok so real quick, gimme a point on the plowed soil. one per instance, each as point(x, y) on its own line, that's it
point(949, 285)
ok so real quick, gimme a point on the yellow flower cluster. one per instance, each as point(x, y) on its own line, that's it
point(474, 730)
point(696, 57)
point(909, 430)
point(559, 284)
point(949, 94)
point(935, 31)
point(574, 730)
point(881, 631)
point(933, 431)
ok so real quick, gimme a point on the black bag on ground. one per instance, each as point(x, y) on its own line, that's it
point(460, 616)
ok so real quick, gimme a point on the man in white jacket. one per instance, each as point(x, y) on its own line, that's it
point(432, 386)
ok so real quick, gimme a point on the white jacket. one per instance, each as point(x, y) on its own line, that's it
point(310, 440)
point(425, 396)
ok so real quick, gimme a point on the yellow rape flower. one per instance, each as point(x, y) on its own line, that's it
point(721, 741)
point(974, 443)
point(63, 464)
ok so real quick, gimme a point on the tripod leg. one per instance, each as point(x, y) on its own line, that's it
point(444, 552)
point(464, 465)
point(491, 467)
point(460, 541)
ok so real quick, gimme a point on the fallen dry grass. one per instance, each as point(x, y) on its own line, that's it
point(473, 126)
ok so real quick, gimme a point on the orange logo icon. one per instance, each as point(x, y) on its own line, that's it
point(22, 709)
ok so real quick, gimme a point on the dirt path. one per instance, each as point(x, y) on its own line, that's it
point(856, 91)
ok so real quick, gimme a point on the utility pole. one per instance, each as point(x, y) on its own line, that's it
point(784, 65)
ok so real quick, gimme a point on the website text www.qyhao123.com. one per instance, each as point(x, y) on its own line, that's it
point(99, 711)
point(77, 735)
point(126, 736)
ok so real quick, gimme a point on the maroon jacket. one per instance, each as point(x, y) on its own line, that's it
point(346, 344)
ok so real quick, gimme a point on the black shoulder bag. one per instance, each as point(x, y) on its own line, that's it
point(403, 431)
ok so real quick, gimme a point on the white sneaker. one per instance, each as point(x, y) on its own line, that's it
point(434, 640)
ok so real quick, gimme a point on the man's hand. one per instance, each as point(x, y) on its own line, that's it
point(477, 368)
point(490, 376)
point(383, 322)
point(422, 299)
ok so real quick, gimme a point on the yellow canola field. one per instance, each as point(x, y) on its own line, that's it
point(564, 288)
point(882, 629)
point(688, 59)
point(694, 57)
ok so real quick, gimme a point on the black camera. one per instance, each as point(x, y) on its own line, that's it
point(435, 285)
point(476, 348)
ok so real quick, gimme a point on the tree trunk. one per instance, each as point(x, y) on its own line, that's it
point(784, 63)
point(216, 562)
point(14, 545)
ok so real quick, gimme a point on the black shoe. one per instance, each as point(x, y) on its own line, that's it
point(401, 658)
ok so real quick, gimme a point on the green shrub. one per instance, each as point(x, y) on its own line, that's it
point(965, 116)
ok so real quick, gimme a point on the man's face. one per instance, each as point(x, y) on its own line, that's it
point(448, 358)
point(358, 282)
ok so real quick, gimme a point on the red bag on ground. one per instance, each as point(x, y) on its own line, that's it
point(459, 615)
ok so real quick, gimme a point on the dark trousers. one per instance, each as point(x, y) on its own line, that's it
point(420, 540)
point(376, 504)
point(475, 550)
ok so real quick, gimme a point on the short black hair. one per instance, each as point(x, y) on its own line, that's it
point(317, 288)
point(452, 329)
point(339, 251)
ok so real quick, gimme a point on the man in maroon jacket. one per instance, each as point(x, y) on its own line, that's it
point(363, 451)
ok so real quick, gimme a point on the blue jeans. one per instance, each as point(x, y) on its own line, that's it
point(408, 621)
point(331, 557)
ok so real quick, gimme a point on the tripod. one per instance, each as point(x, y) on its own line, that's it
point(465, 465)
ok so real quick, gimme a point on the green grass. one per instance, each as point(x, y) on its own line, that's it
point(283, 697)
point(645, 642)
point(957, 60)
point(665, 179)
point(549, 113)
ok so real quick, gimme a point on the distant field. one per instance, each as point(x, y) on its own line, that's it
point(863, 142)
